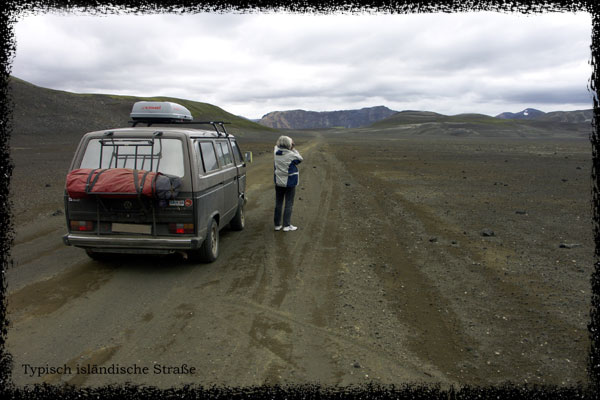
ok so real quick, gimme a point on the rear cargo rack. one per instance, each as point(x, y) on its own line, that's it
point(136, 143)
point(215, 124)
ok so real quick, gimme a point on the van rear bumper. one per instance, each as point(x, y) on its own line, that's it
point(131, 242)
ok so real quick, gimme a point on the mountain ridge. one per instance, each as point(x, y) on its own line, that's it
point(566, 124)
point(39, 112)
point(528, 113)
point(575, 116)
point(302, 119)
point(364, 117)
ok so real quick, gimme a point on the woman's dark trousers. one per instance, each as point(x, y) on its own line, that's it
point(282, 193)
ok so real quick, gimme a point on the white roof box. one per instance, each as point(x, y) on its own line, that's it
point(160, 111)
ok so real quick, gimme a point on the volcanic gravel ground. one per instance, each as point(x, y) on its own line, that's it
point(417, 260)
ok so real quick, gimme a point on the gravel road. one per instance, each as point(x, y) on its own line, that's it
point(389, 279)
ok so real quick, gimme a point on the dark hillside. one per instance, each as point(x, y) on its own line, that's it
point(40, 113)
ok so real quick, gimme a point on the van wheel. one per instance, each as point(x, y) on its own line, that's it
point(239, 220)
point(210, 246)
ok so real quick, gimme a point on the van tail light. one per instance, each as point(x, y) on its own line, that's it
point(181, 228)
point(82, 225)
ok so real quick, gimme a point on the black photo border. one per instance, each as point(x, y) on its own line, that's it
point(13, 9)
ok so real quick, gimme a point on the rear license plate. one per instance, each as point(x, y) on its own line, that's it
point(132, 228)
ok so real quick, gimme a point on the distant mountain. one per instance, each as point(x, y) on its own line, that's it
point(413, 117)
point(39, 112)
point(528, 113)
point(301, 119)
point(426, 123)
point(578, 116)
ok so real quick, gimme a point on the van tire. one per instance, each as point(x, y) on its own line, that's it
point(239, 220)
point(209, 251)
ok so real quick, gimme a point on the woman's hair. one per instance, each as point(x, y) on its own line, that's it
point(285, 142)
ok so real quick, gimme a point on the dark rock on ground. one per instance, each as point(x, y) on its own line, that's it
point(569, 245)
point(488, 232)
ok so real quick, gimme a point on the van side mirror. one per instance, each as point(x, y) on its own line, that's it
point(248, 156)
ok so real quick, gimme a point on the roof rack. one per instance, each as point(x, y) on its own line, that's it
point(151, 121)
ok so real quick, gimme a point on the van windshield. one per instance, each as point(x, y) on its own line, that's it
point(159, 155)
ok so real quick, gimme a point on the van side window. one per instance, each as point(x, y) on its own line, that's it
point(237, 153)
point(208, 156)
point(226, 153)
point(220, 153)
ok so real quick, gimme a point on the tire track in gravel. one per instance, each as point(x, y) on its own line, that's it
point(277, 267)
point(516, 313)
point(434, 336)
point(290, 283)
point(335, 336)
point(471, 317)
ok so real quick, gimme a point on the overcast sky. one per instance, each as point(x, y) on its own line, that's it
point(251, 64)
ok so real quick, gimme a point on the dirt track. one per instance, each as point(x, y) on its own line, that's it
point(388, 279)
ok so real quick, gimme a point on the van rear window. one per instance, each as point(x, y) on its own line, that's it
point(160, 155)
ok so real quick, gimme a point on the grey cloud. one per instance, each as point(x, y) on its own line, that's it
point(550, 96)
point(229, 59)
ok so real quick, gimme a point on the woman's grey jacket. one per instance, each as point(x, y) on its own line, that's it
point(286, 170)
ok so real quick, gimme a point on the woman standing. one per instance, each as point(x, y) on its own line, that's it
point(286, 179)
